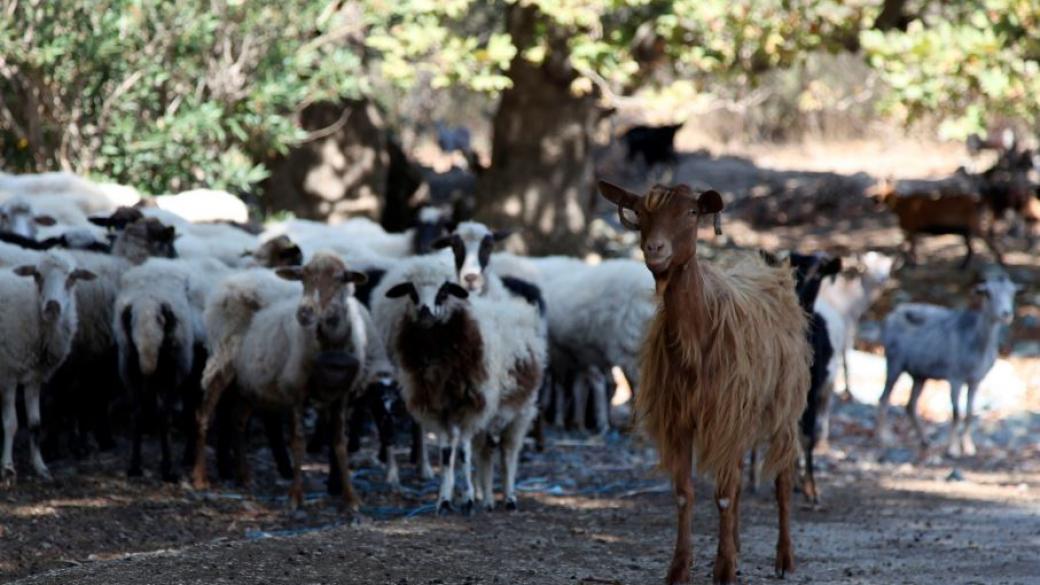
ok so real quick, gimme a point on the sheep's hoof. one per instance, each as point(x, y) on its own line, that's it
point(467, 507)
point(8, 476)
point(488, 505)
point(510, 504)
point(444, 508)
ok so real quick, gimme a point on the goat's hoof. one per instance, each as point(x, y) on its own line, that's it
point(8, 476)
point(467, 507)
point(295, 498)
point(679, 573)
point(510, 504)
point(968, 448)
point(444, 508)
point(488, 505)
point(784, 564)
point(44, 474)
point(725, 571)
point(134, 472)
point(199, 482)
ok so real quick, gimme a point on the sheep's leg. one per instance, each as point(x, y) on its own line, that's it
point(809, 483)
point(581, 400)
point(559, 397)
point(601, 404)
point(134, 469)
point(845, 372)
point(166, 462)
point(971, 252)
point(784, 549)
point(911, 253)
point(467, 476)
point(448, 475)
point(485, 470)
point(272, 423)
point(10, 428)
point(32, 412)
point(245, 411)
point(351, 503)
point(419, 438)
point(967, 444)
point(682, 481)
point(953, 448)
point(880, 430)
point(911, 411)
point(211, 396)
point(298, 444)
point(512, 442)
point(385, 426)
point(726, 559)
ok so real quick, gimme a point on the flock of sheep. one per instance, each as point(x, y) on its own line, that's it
point(192, 323)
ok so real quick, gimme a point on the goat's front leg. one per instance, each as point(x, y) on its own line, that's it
point(967, 443)
point(725, 571)
point(10, 428)
point(351, 503)
point(448, 475)
point(32, 412)
point(953, 448)
point(784, 549)
point(911, 411)
point(297, 444)
point(884, 438)
point(682, 481)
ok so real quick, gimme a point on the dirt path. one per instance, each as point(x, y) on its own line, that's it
point(587, 517)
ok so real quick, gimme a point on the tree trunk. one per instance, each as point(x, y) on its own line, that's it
point(541, 177)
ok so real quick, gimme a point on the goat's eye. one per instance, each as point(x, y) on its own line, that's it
point(629, 217)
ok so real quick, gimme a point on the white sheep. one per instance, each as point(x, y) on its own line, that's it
point(470, 369)
point(202, 205)
point(89, 196)
point(39, 320)
point(285, 351)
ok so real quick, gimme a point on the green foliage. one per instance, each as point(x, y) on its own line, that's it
point(968, 63)
point(166, 95)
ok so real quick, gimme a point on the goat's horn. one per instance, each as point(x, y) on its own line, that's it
point(717, 222)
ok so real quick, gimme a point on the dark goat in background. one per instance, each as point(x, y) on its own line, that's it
point(655, 144)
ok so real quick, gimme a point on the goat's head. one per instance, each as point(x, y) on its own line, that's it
point(17, 217)
point(432, 293)
point(277, 252)
point(327, 282)
point(471, 243)
point(810, 270)
point(55, 275)
point(432, 223)
point(877, 267)
point(998, 295)
point(667, 219)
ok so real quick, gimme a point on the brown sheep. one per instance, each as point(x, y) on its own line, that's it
point(724, 368)
point(936, 208)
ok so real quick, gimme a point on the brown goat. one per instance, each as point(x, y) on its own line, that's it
point(936, 208)
point(725, 367)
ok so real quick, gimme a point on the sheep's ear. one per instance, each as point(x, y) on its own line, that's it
point(105, 222)
point(500, 235)
point(400, 290)
point(44, 220)
point(293, 255)
point(290, 272)
point(245, 253)
point(82, 274)
point(442, 242)
point(456, 290)
point(358, 278)
point(168, 234)
point(709, 202)
point(26, 270)
point(618, 195)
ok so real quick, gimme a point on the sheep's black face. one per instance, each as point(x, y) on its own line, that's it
point(430, 303)
point(472, 244)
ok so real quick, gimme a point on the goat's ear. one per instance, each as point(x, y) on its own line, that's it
point(168, 234)
point(832, 267)
point(26, 270)
point(290, 272)
point(441, 242)
point(358, 278)
point(400, 290)
point(82, 274)
point(709, 202)
point(44, 220)
point(293, 255)
point(456, 290)
point(500, 235)
point(105, 222)
point(618, 195)
point(769, 258)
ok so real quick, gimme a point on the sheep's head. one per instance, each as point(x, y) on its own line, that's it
point(471, 243)
point(119, 218)
point(327, 282)
point(810, 270)
point(432, 293)
point(666, 218)
point(998, 294)
point(277, 252)
point(16, 217)
point(55, 276)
